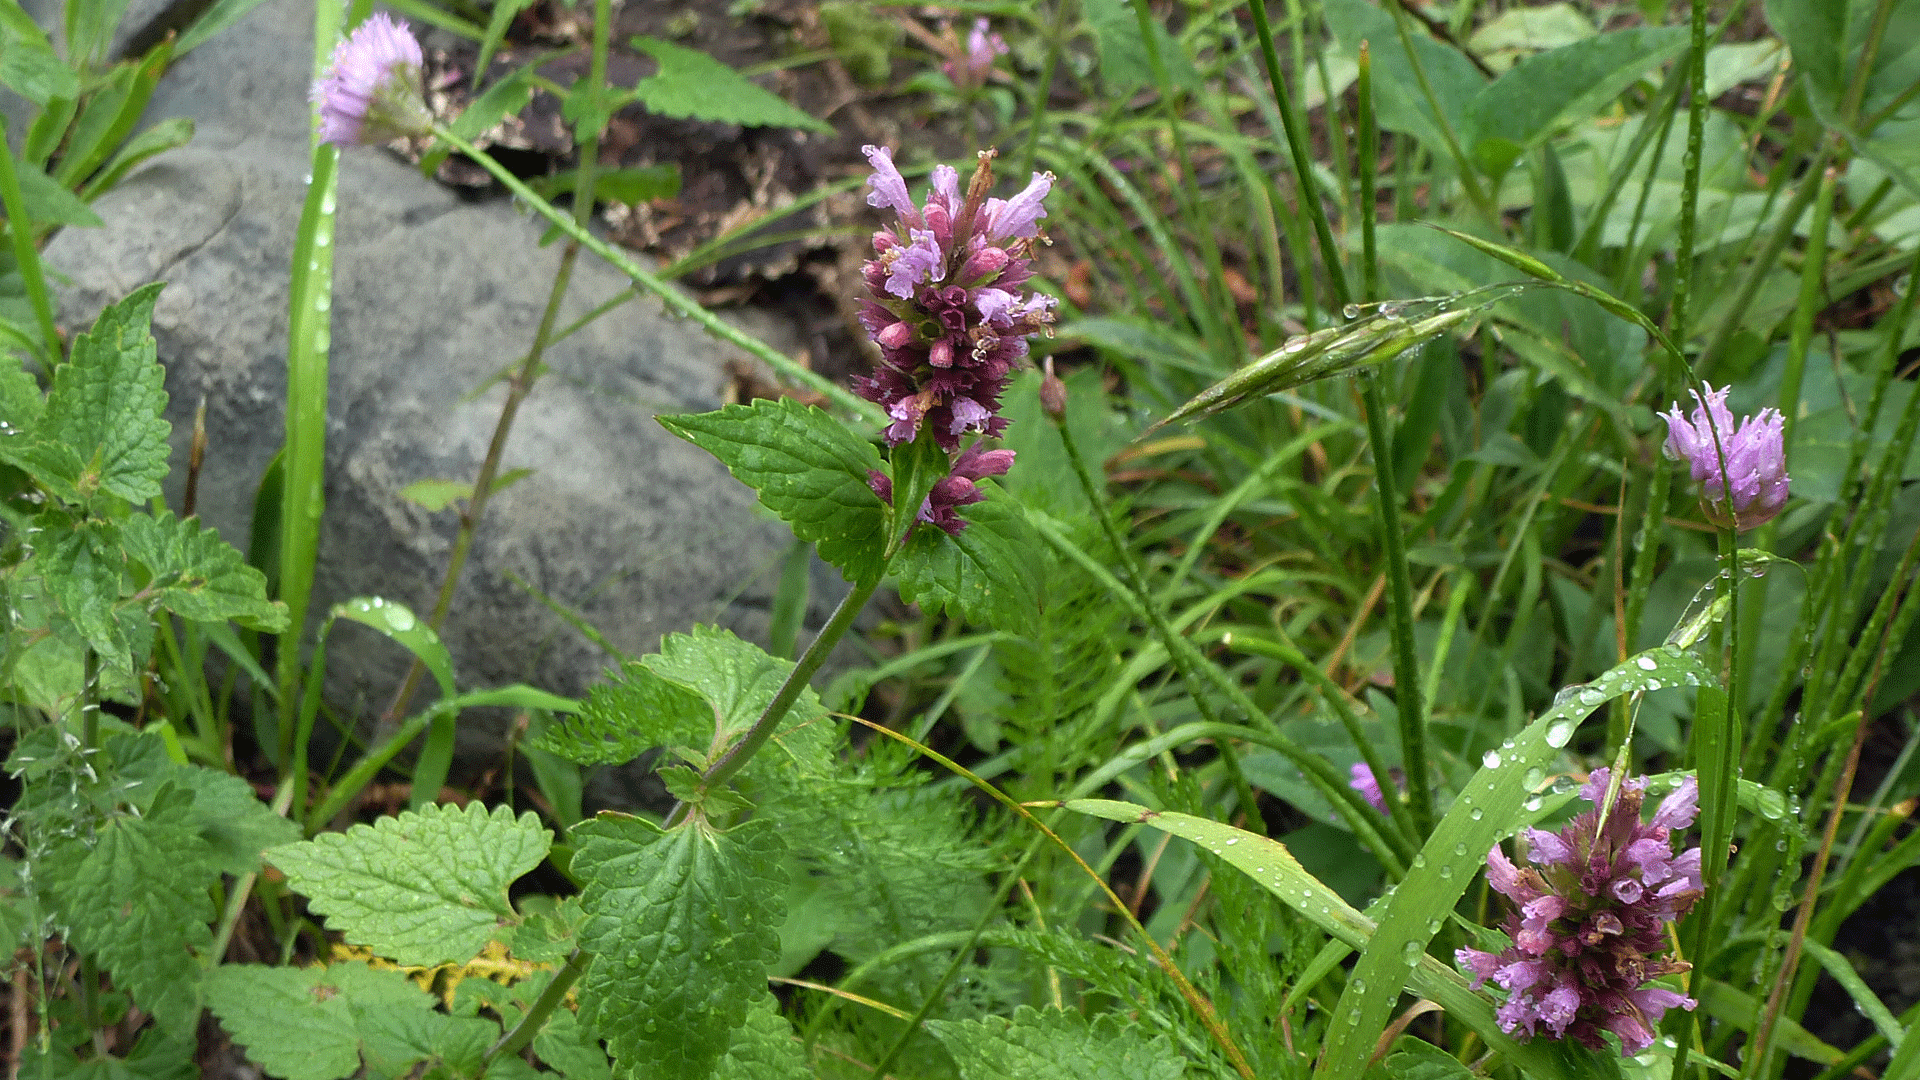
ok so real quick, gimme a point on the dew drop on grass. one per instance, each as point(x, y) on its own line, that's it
point(1411, 951)
point(1351, 311)
point(1419, 861)
point(1534, 804)
point(1477, 814)
point(1446, 873)
point(1534, 776)
point(1647, 663)
point(1232, 841)
point(1359, 986)
point(401, 619)
point(1460, 848)
point(1433, 926)
point(1491, 760)
point(1560, 732)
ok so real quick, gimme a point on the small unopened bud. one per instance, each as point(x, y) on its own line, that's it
point(1053, 394)
point(983, 264)
point(894, 337)
point(941, 355)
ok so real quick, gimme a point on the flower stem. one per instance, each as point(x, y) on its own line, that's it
point(522, 1033)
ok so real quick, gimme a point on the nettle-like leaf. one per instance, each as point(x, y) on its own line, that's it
point(692, 85)
point(682, 925)
point(763, 1048)
point(318, 1023)
point(628, 716)
point(193, 573)
point(105, 407)
point(80, 564)
point(137, 900)
point(226, 814)
point(423, 888)
point(807, 467)
point(1056, 1045)
point(985, 575)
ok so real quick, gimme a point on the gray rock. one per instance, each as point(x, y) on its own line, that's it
point(638, 531)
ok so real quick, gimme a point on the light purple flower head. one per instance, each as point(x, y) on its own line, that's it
point(945, 305)
point(983, 48)
point(955, 490)
point(1756, 472)
point(372, 92)
point(1589, 914)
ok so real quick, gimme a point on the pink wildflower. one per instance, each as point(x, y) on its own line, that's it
point(1756, 459)
point(1590, 913)
point(1361, 779)
point(372, 92)
point(983, 48)
point(955, 490)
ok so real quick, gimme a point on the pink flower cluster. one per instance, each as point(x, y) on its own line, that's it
point(983, 48)
point(1756, 459)
point(372, 91)
point(944, 305)
point(1591, 912)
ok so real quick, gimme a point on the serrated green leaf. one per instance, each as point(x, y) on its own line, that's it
point(314, 1023)
point(225, 812)
point(571, 1050)
point(137, 900)
point(623, 719)
point(682, 926)
point(985, 575)
point(692, 85)
point(1056, 1045)
point(1486, 810)
point(764, 1048)
point(807, 467)
point(106, 404)
point(738, 678)
point(196, 575)
point(422, 888)
point(1416, 1060)
point(21, 400)
point(80, 565)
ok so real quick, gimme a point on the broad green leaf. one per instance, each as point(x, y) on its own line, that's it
point(1418, 1060)
point(166, 135)
point(80, 564)
point(570, 1049)
point(807, 467)
point(1547, 92)
point(738, 678)
point(1829, 39)
point(314, 1023)
point(21, 399)
point(1487, 808)
point(1055, 1044)
point(1125, 63)
point(193, 573)
point(692, 85)
point(1532, 29)
point(682, 926)
point(764, 1048)
point(984, 575)
point(48, 203)
point(422, 888)
point(137, 899)
point(28, 65)
point(106, 403)
point(628, 716)
point(225, 813)
point(1402, 104)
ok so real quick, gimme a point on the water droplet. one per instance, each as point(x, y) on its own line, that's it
point(1780, 845)
point(1433, 926)
point(1534, 776)
point(326, 204)
point(323, 303)
point(1477, 814)
point(1560, 732)
point(1351, 311)
point(1411, 951)
point(400, 619)
point(1232, 841)
point(1419, 861)
point(1446, 873)
point(1359, 986)
point(1534, 804)
point(1646, 663)
point(1491, 760)
point(1460, 848)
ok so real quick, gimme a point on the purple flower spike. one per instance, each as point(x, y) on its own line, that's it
point(372, 92)
point(945, 307)
point(1589, 915)
point(1756, 472)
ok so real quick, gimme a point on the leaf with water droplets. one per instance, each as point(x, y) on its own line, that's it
point(1491, 806)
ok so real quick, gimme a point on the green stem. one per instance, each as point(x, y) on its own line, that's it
point(675, 300)
point(522, 1033)
point(1301, 156)
point(1406, 660)
point(25, 255)
point(803, 671)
